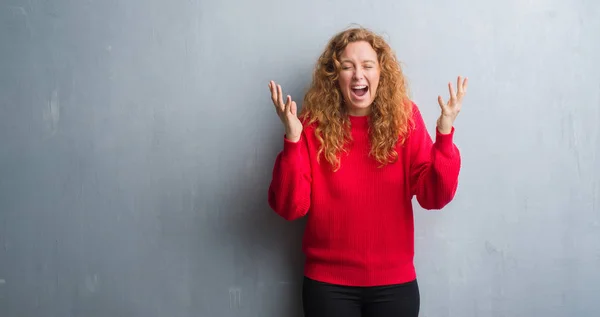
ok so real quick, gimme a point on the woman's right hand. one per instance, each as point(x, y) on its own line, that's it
point(287, 113)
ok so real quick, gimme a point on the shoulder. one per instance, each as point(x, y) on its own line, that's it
point(414, 117)
point(414, 109)
point(308, 125)
point(416, 128)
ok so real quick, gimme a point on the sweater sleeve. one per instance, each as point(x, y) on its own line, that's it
point(434, 167)
point(290, 188)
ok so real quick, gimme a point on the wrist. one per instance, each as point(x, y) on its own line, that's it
point(444, 129)
point(444, 124)
point(292, 138)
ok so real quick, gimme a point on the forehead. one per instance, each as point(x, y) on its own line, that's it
point(359, 51)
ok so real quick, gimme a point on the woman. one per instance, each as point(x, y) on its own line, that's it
point(351, 162)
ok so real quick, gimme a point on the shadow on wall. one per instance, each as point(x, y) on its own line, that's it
point(268, 258)
point(267, 249)
point(241, 257)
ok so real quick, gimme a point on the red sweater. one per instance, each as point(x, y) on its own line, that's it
point(360, 219)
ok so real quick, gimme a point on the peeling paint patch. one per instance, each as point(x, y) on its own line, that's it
point(91, 283)
point(235, 297)
point(52, 112)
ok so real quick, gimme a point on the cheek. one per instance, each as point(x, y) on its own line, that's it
point(344, 80)
point(344, 83)
point(375, 80)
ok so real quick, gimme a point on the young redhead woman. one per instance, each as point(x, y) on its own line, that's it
point(352, 161)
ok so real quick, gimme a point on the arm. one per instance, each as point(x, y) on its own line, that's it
point(289, 191)
point(434, 167)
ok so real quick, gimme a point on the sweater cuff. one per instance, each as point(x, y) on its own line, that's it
point(291, 150)
point(444, 142)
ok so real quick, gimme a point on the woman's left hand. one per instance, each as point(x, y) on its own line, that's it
point(451, 109)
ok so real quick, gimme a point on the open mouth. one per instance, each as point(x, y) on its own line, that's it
point(360, 90)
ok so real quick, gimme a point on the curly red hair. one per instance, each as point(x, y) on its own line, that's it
point(390, 113)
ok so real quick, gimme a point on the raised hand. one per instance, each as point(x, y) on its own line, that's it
point(451, 109)
point(287, 112)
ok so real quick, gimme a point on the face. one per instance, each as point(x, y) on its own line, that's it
point(359, 77)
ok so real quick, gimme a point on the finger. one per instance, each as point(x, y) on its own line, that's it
point(463, 90)
point(280, 98)
point(273, 93)
point(288, 104)
point(452, 94)
point(460, 87)
point(441, 102)
point(294, 108)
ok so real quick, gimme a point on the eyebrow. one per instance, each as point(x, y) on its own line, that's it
point(366, 61)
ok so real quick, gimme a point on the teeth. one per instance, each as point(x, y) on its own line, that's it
point(359, 87)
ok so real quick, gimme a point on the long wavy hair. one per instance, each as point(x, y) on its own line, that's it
point(391, 111)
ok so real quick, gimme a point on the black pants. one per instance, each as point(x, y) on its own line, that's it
point(327, 300)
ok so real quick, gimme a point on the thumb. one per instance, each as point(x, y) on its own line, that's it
point(442, 103)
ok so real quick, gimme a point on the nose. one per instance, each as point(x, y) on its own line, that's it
point(358, 74)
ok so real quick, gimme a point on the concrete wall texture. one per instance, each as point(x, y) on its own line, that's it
point(137, 140)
